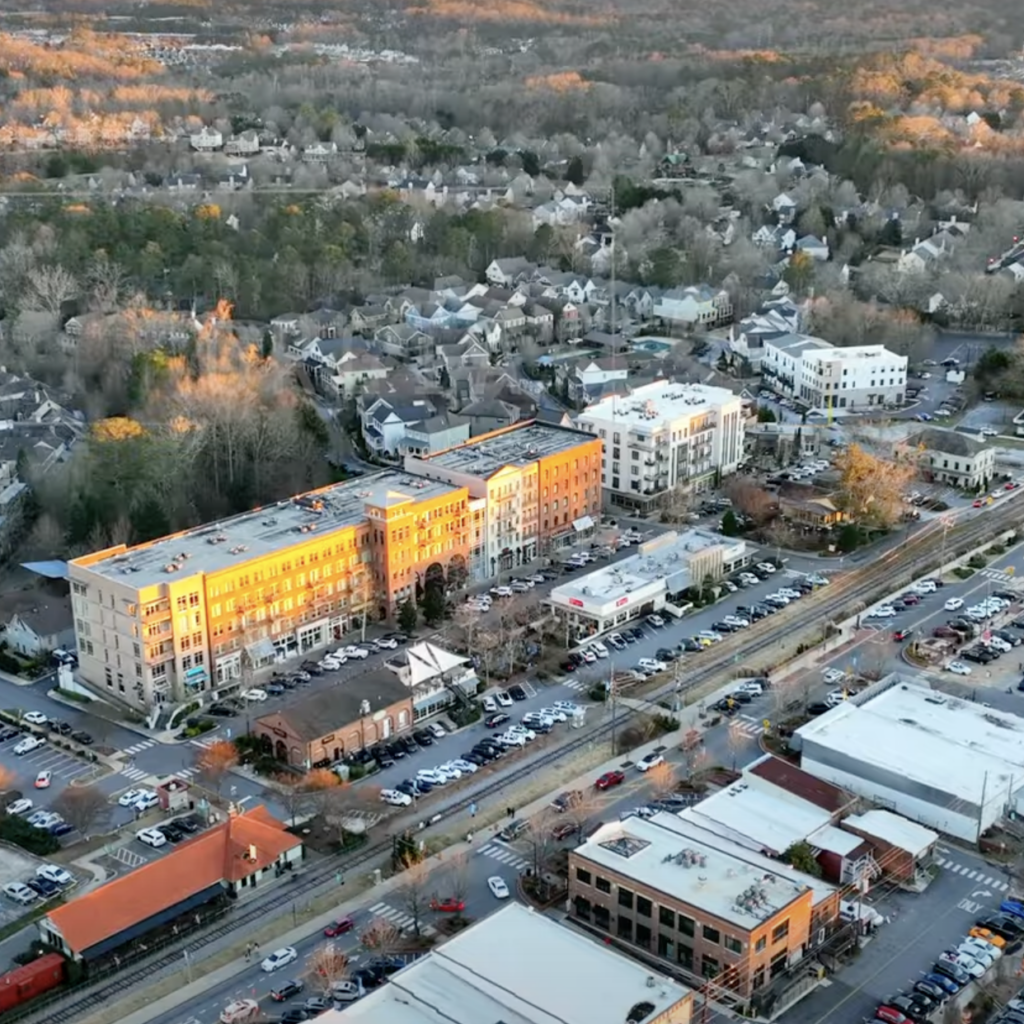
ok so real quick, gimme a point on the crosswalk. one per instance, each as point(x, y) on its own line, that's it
point(135, 774)
point(138, 747)
point(972, 874)
point(505, 856)
point(576, 684)
point(747, 724)
point(400, 919)
point(204, 743)
point(998, 575)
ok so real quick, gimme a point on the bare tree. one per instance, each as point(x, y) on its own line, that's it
point(414, 895)
point(380, 936)
point(107, 283)
point(737, 740)
point(293, 797)
point(662, 779)
point(48, 288)
point(541, 836)
point(695, 755)
point(215, 762)
point(459, 876)
point(328, 965)
point(82, 807)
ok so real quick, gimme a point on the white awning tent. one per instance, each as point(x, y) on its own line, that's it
point(583, 523)
point(427, 662)
point(260, 650)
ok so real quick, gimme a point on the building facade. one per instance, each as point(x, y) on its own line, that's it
point(532, 487)
point(166, 621)
point(949, 457)
point(664, 436)
point(708, 913)
point(827, 377)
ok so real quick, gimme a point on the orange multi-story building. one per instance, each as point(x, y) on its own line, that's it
point(532, 486)
point(164, 621)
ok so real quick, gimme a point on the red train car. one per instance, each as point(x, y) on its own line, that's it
point(25, 983)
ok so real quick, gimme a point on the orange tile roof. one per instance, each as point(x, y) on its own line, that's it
point(219, 854)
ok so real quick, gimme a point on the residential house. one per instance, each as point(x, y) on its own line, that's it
point(183, 182)
point(815, 248)
point(926, 255)
point(777, 318)
point(319, 152)
point(403, 341)
point(509, 272)
point(206, 140)
point(287, 324)
point(949, 457)
point(384, 424)
point(436, 434)
point(33, 623)
point(540, 320)
point(561, 210)
point(471, 351)
point(370, 318)
point(698, 306)
point(588, 380)
point(639, 302)
point(512, 322)
point(245, 143)
point(343, 371)
point(780, 237)
point(487, 415)
point(430, 317)
point(784, 207)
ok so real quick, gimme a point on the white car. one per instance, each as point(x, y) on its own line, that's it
point(985, 957)
point(502, 591)
point(818, 580)
point(331, 664)
point(835, 698)
point(833, 675)
point(765, 567)
point(28, 744)
point(984, 948)
point(56, 874)
point(489, 704)
point(954, 604)
point(793, 595)
point(450, 772)
point(386, 643)
point(503, 699)
point(127, 799)
point(279, 958)
point(777, 599)
point(997, 643)
point(599, 649)
point(35, 718)
point(521, 587)
point(883, 611)
point(20, 893)
point(588, 656)
point(736, 621)
point(512, 739)
point(434, 777)
point(439, 732)
point(22, 806)
point(466, 767)
point(968, 963)
point(656, 620)
point(958, 668)
point(44, 819)
point(754, 688)
point(924, 587)
point(650, 665)
point(151, 837)
point(347, 991)
point(498, 887)
point(708, 634)
point(523, 730)
point(567, 707)
point(536, 578)
point(555, 714)
point(649, 761)
point(526, 581)
point(395, 797)
point(356, 652)
point(145, 800)
point(254, 694)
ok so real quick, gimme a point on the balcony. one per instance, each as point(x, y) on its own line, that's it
point(648, 462)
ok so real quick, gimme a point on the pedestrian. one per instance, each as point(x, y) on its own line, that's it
point(256, 947)
point(472, 810)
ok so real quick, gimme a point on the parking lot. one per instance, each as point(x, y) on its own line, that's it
point(62, 765)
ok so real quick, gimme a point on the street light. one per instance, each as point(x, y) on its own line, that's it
point(188, 965)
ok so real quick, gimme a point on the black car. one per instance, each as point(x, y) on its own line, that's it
point(726, 706)
point(288, 682)
point(1005, 595)
point(287, 989)
point(9, 733)
point(382, 756)
point(43, 886)
point(741, 697)
point(411, 746)
point(274, 689)
point(62, 828)
point(493, 721)
point(952, 971)
point(974, 655)
point(295, 1015)
point(664, 654)
point(318, 1004)
point(313, 669)
point(61, 728)
point(171, 833)
point(474, 758)
point(1018, 623)
point(1011, 638)
point(423, 737)
point(817, 708)
point(722, 627)
point(1005, 926)
point(635, 632)
point(931, 990)
point(517, 693)
point(691, 645)
point(221, 711)
point(365, 977)
point(908, 1007)
point(761, 574)
point(188, 824)
point(408, 787)
point(396, 749)
point(898, 606)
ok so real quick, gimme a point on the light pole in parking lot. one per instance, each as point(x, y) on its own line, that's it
point(188, 965)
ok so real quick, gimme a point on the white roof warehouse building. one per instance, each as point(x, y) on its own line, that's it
point(946, 763)
point(647, 581)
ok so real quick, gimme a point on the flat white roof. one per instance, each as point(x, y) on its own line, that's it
point(759, 815)
point(517, 967)
point(651, 405)
point(906, 835)
point(710, 873)
point(955, 746)
point(835, 840)
point(663, 562)
point(861, 352)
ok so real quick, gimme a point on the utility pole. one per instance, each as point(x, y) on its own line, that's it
point(611, 699)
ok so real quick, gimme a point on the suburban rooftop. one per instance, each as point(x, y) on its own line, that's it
point(556, 976)
point(219, 545)
point(652, 404)
point(518, 446)
point(665, 558)
point(927, 737)
point(797, 344)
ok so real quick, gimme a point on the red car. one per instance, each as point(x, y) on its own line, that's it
point(563, 831)
point(901, 634)
point(448, 905)
point(610, 779)
point(340, 927)
point(890, 1015)
point(1011, 486)
point(978, 503)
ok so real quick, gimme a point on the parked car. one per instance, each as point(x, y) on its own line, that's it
point(610, 779)
point(287, 989)
point(279, 958)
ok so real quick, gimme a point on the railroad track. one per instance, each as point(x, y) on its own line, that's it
point(857, 590)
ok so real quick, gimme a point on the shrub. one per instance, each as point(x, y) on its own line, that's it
point(977, 561)
point(21, 833)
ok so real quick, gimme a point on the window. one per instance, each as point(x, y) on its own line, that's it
point(602, 884)
point(779, 932)
point(666, 947)
point(684, 957)
point(625, 898)
point(758, 980)
point(644, 906)
point(583, 908)
point(732, 944)
point(760, 944)
point(667, 917)
point(709, 966)
point(643, 936)
point(625, 927)
point(601, 916)
point(711, 934)
point(686, 925)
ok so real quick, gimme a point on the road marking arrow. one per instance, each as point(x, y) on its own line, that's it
point(981, 892)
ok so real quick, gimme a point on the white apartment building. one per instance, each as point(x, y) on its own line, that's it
point(826, 376)
point(662, 436)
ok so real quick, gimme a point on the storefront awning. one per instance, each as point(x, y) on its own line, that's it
point(584, 523)
point(261, 649)
point(196, 676)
